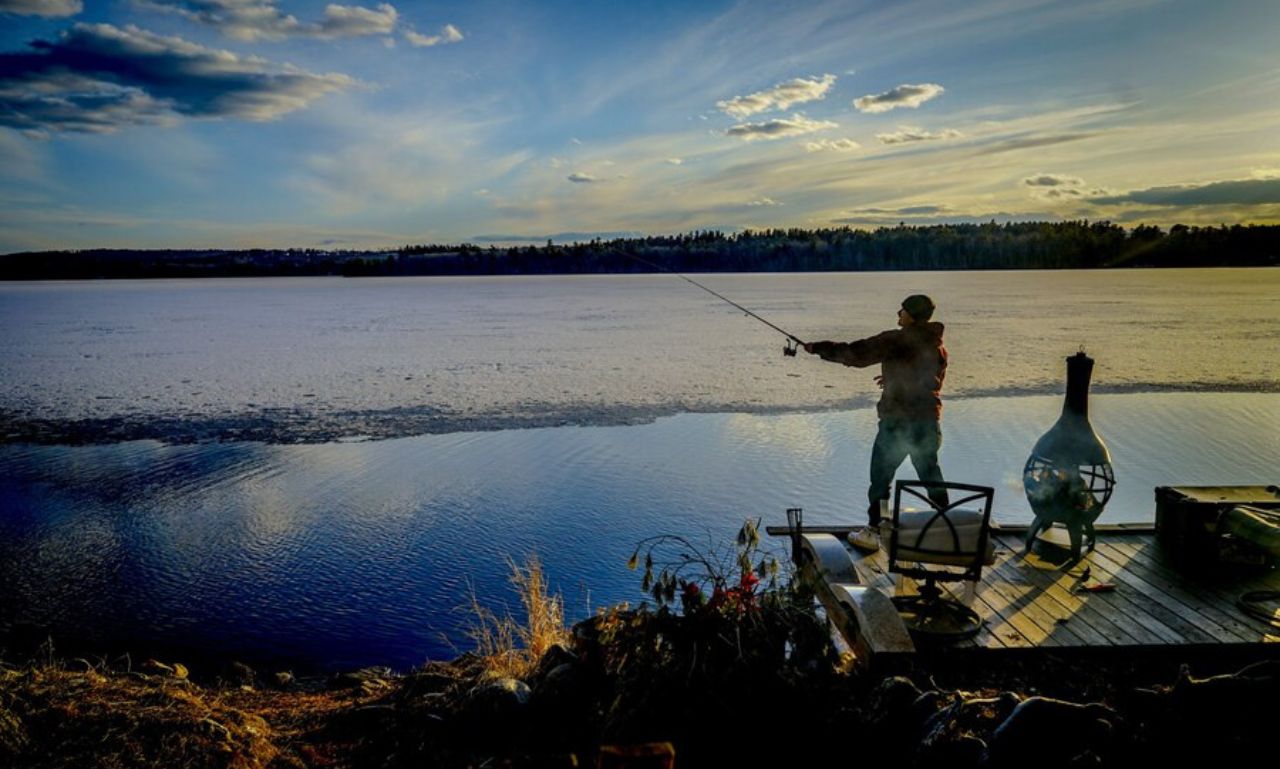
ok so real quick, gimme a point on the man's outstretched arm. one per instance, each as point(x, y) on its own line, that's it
point(864, 352)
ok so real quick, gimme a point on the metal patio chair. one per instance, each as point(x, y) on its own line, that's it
point(940, 543)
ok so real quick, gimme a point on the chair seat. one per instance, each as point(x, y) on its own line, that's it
point(938, 544)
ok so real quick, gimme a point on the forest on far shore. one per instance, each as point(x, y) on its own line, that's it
point(991, 246)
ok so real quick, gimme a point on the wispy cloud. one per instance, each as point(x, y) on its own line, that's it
point(24, 161)
point(765, 202)
point(921, 210)
point(1032, 142)
point(907, 95)
point(448, 34)
point(398, 163)
point(907, 134)
point(1242, 192)
point(779, 128)
point(263, 19)
point(578, 177)
point(98, 78)
point(782, 96)
point(832, 145)
point(47, 8)
point(927, 215)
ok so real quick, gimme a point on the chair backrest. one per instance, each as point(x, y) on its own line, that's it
point(955, 534)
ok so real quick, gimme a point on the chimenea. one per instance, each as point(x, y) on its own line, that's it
point(1068, 477)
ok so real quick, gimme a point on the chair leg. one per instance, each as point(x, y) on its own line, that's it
point(970, 592)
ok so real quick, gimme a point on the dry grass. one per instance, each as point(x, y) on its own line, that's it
point(75, 716)
point(54, 717)
point(68, 716)
point(511, 649)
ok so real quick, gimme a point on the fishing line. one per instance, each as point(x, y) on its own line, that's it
point(789, 348)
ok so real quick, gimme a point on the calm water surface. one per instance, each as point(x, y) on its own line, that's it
point(345, 554)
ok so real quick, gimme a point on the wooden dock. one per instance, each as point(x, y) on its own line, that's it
point(1038, 602)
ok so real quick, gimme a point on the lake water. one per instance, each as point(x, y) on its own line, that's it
point(317, 545)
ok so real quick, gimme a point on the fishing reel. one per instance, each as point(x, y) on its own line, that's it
point(789, 348)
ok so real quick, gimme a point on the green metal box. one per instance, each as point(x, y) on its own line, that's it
point(1187, 518)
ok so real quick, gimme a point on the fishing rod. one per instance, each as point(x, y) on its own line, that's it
point(788, 347)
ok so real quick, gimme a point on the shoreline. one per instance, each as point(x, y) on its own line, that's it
point(300, 426)
point(602, 692)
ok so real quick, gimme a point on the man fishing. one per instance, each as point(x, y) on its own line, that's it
point(913, 363)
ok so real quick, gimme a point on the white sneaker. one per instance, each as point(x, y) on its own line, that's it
point(866, 539)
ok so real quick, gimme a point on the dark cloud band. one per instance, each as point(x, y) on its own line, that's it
point(1244, 192)
point(98, 78)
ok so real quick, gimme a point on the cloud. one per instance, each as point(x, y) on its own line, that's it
point(98, 78)
point(579, 177)
point(47, 8)
point(778, 128)
point(1048, 186)
point(448, 34)
point(907, 95)
point(832, 145)
point(676, 161)
point(1053, 180)
point(781, 96)
point(767, 202)
point(1266, 173)
point(1243, 192)
point(263, 20)
point(906, 134)
point(355, 21)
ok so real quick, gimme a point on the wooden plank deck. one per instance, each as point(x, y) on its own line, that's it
point(1031, 602)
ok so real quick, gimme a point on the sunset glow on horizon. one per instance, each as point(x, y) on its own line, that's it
point(272, 123)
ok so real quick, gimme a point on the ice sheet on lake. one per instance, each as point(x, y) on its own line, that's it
point(287, 360)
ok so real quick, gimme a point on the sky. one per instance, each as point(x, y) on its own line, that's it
point(270, 123)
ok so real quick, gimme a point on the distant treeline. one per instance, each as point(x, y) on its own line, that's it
point(1014, 246)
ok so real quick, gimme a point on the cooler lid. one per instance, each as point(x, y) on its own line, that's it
point(1234, 495)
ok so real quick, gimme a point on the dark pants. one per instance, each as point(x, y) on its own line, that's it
point(897, 439)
